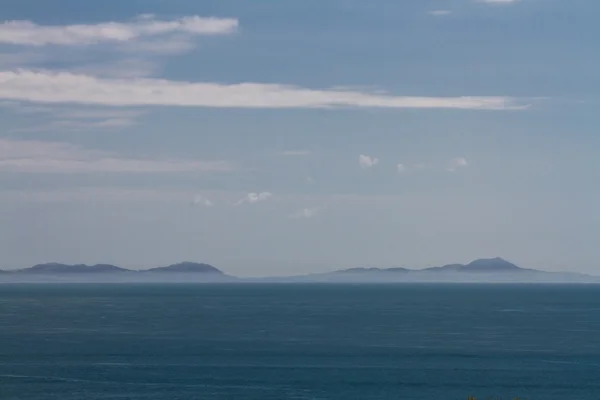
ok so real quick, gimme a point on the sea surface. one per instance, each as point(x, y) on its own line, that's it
point(294, 341)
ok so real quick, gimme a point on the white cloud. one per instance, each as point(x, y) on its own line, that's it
point(48, 87)
point(295, 153)
point(367, 161)
point(252, 198)
point(400, 168)
point(31, 34)
point(439, 13)
point(459, 162)
point(30, 156)
point(305, 213)
point(202, 201)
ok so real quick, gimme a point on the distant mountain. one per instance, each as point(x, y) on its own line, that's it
point(486, 265)
point(56, 268)
point(495, 270)
point(482, 270)
point(188, 267)
point(176, 273)
point(445, 268)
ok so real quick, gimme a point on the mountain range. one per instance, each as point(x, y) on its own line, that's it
point(481, 270)
point(489, 265)
point(56, 268)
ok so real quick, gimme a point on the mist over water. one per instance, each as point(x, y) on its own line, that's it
point(336, 277)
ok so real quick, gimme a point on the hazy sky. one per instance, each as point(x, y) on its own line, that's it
point(278, 137)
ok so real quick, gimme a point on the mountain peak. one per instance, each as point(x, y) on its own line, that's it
point(188, 267)
point(496, 264)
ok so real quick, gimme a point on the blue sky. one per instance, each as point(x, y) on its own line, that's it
point(283, 137)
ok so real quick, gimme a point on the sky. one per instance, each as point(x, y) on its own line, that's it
point(290, 137)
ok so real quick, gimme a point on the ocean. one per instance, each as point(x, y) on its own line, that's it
point(299, 341)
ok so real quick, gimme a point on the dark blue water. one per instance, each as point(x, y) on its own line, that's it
point(299, 342)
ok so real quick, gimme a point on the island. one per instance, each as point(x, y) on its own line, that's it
point(484, 270)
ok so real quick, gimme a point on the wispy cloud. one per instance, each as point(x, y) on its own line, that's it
point(29, 33)
point(400, 168)
point(29, 156)
point(76, 118)
point(367, 161)
point(132, 48)
point(102, 118)
point(172, 45)
point(295, 153)
point(304, 213)
point(200, 200)
point(48, 87)
point(459, 162)
point(253, 197)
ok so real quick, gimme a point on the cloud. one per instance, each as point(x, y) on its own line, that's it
point(400, 168)
point(293, 153)
point(202, 201)
point(132, 48)
point(77, 119)
point(305, 213)
point(172, 45)
point(252, 198)
point(30, 156)
point(88, 119)
point(440, 13)
point(28, 33)
point(459, 162)
point(367, 161)
point(64, 87)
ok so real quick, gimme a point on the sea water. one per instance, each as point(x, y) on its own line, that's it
point(291, 341)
